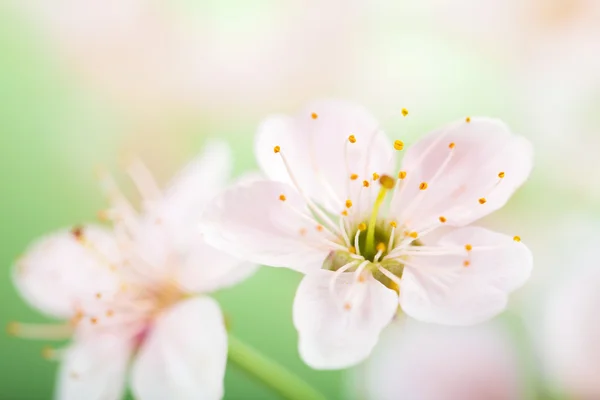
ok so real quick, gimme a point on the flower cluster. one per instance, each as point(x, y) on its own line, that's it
point(372, 236)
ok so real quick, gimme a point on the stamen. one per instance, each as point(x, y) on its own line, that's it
point(391, 276)
point(402, 175)
point(404, 112)
point(352, 249)
point(276, 149)
point(352, 139)
point(348, 203)
point(466, 263)
point(336, 276)
point(40, 331)
point(501, 175)
point(482, 200)
point(354, 177)
point(314, 116)
point(399, 145)
point(517, 238)
point(282, 197)
point(375, 176)
point(443, 220)
point(468, 247)
point(468, 119)
point(423, 186)
point(366, 184)
point(392, 235)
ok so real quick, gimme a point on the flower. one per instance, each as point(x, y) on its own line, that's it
point(132, 293)
point(336, 209)
point(571, 325)
point(443, 363)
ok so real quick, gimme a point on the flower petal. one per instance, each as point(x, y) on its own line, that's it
point(94, 367)
point(206, 269)
point(441, 289)
point(252, 223)
point(198, 183)
point(331, 335)
point(59, 271)
point(185, 355)
point(469, 159)
point(319, 153)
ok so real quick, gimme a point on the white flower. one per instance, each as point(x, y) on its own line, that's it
point(333, 211)
point(442, 363)
point(129, 294)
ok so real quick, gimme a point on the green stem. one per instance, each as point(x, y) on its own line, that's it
point(288, 385)
point(370, 243)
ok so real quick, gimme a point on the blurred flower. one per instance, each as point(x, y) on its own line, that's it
point(164, 56)
point(439, 363)
point(325, 213)
point(572, 326)
point(130, 293)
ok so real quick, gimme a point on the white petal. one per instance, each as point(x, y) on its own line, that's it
point(58, 272)
point(441, 289)
point(185, 354)
point(483, 149)
point(331, 336)
point(206, 269)
point(316, 150)
point(94, 367)
point(252, 223)
point(191, 190)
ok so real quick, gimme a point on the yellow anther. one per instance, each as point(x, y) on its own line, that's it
point(423, 186)
point(362, 227)
point(94, 320)
point(404, 112)
point(314, 116)
point(77, 232)
point(302, 231)
point(375, 176)
point(466, 263)
point(48, 352)
point(352, 249)
point(380, 247)
point(282, 197)
point(110, 313)
point(354, 177)
point(398, 145)
point(443, 220)
point(352, 139)
point(482, 200)
point(348, 203)
point(468, 247)
point(501, 175)
point(362, 278)
point(468, 119)
point(347, 306)
point(387, 182)
point(517, 238)
point(320, 228)
point(413, 235)
point(366, 183)
point(402, 175)
point(276, 149)
point(452, 145)
point(394, 224)
point(345, 213)
point(98, 295)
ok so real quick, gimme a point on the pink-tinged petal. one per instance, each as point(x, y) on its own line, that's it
point(185, 355)
point(198, 183)
point(94, 367)
point(338, 332)
point(464, 288)
point(316, 144)
point(252, 223)
point(61, 271)
point(471, 169)
point(206, 269)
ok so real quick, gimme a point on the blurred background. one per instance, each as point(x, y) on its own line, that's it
point(82, 82)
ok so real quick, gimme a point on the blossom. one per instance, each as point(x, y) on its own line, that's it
point(363, 233)
point(134, 293)
point(443, 363)
point(571, 323)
